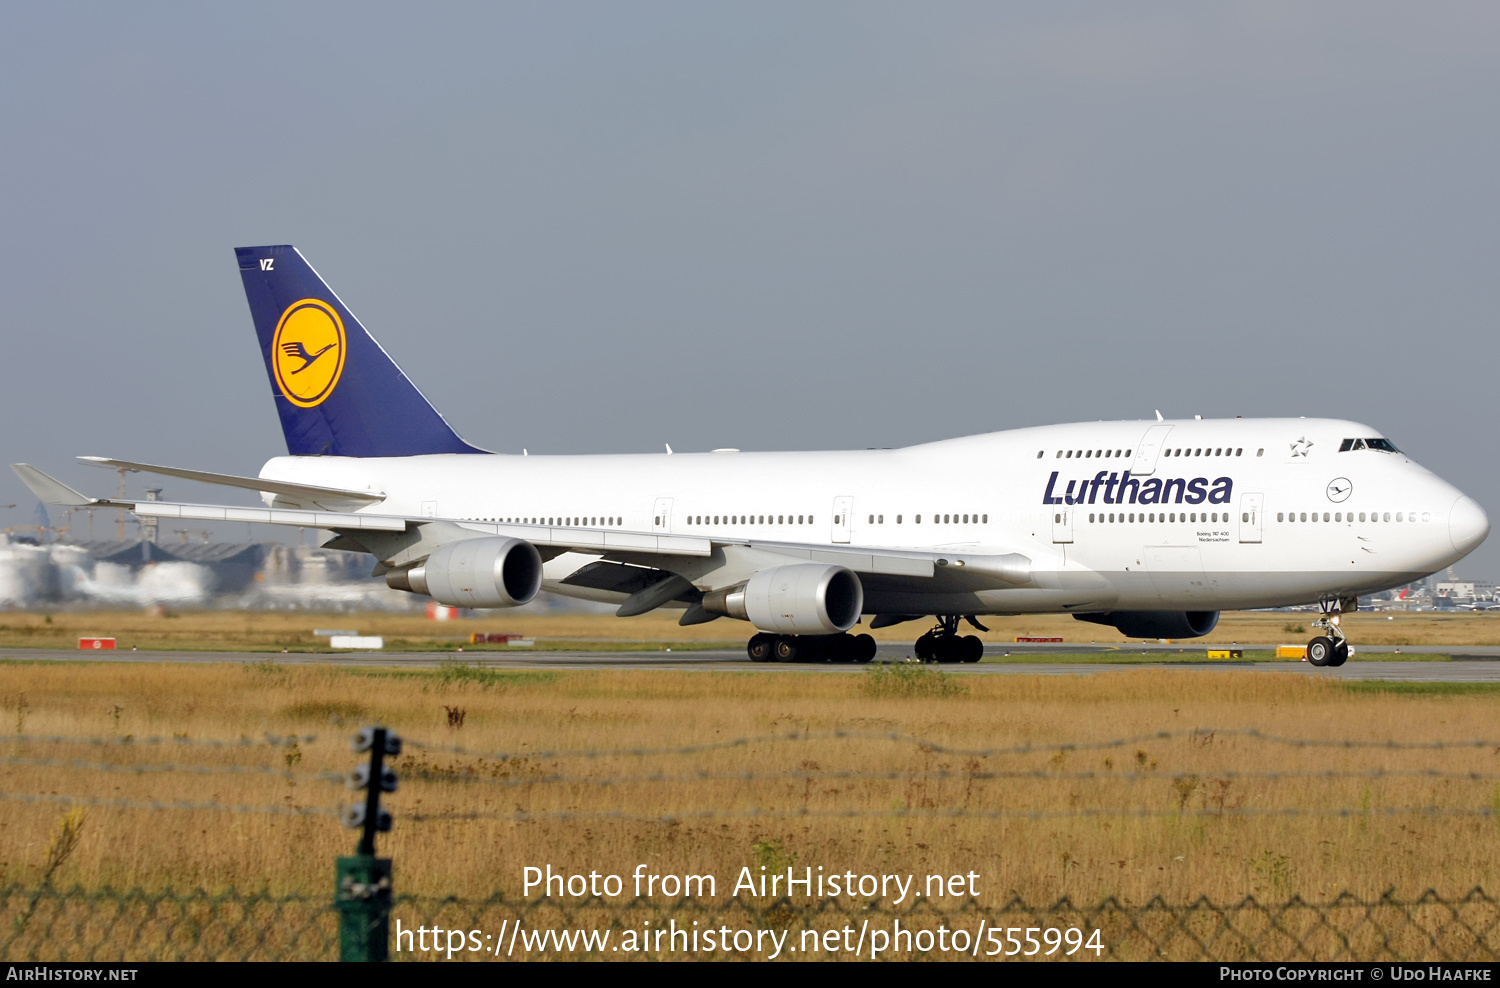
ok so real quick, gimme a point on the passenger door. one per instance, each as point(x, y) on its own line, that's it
point(661, 516)
point(842, 507)
point(1148, 449)
point(1250, 520)
point(1062, 523)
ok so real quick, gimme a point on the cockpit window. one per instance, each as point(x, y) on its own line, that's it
point(1384, 445)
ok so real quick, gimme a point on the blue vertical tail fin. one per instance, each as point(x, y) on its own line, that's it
point(337, 391)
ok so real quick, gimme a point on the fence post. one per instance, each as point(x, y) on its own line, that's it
point(362, 889)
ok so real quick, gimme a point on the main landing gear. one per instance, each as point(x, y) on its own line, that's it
point(811, 648)
point(1331, 649)
point(943, 644)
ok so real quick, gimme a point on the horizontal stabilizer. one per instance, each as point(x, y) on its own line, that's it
point(49, 490)
point(307, 491)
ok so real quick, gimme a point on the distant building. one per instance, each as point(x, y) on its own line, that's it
point(1456, 589)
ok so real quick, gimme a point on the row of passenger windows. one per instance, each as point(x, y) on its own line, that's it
point(748, 520)
point(1206, 451)
point(575, 521)
point(1311, 516)
point(970, 519)
point(1085, 454)
point(1089, 454)
point(937, 519)
point(1154, 516)
point(1215, 516)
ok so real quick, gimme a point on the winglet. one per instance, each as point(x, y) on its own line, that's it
point(50, 490)
point(1158, 416)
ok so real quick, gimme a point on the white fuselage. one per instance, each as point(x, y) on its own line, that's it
point(1179, 515)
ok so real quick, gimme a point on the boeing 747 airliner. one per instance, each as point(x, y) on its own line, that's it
point(1151, 528)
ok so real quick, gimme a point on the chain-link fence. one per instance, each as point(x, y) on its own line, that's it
point(43, 921)
point(106, 925)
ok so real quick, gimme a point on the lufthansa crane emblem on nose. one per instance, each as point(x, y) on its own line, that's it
point(1339, 489)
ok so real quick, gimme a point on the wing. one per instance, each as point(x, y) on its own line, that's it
point(50, 490)
point(319, 496)
point(694, 564)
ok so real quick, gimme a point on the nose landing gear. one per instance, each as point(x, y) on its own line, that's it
point(1331, 649)
point(943, 644)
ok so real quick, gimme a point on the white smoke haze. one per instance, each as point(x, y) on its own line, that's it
point(66, 575)
point(367, 596)
point(176, 584)
point(27, 575)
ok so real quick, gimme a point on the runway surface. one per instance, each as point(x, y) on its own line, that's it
point(1468, 663)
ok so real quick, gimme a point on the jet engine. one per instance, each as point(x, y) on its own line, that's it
point(492, 572)
point(1157, 624)
point(801, 599)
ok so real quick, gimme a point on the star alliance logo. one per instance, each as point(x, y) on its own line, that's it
point(1301, 446)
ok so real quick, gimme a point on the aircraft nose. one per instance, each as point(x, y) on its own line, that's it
point(1468, 525)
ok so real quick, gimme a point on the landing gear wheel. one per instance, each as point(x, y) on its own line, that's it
point(942, 643)
point(760, 647)
point(785, 648)
point(863, 649)
point(926, 648)
point(1320, 651)
point(1331, 648)
point(973, 648)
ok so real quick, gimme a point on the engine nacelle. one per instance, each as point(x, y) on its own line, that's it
point(1157, 624)
point(493, 572)
point(801, 599)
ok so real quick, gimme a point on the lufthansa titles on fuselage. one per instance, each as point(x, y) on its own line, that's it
point(1116, 488)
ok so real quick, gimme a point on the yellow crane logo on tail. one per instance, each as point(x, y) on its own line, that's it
point(308, 352)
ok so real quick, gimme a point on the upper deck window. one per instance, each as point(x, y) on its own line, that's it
point(1384, 445)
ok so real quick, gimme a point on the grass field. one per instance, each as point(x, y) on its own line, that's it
point(1188, 829)
point(273, 631)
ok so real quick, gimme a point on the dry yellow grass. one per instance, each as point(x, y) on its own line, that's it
point(1179, 853)
point(272, 631)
